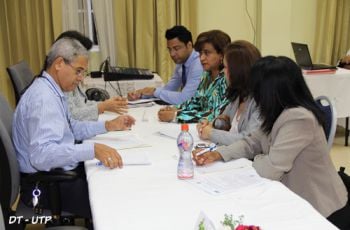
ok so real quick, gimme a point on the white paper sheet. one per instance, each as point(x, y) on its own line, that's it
point(135, 157)
point(173, 130)
point(220, 166)
point(141, 101)
point(227, 181)
point(148, 104)
point(119, 141)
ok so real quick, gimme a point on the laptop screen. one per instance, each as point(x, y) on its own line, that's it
point(302, 54)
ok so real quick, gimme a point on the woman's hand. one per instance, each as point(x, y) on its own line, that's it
point(204, 128)
point(205, 158)
point(167, 114)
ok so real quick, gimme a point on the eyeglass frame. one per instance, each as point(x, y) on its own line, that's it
point(79, 72)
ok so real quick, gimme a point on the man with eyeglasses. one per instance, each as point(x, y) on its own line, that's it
point(186, 77)
point(80, 107)
point(44, 133)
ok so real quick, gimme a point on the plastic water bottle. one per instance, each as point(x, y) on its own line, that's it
point(185, 145)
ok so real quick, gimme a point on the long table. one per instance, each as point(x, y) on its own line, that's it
point(335, 87)
point(151, 196)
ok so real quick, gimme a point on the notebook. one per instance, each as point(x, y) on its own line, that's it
point(303, 58)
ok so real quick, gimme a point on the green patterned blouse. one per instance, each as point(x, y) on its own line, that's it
point(208, 102)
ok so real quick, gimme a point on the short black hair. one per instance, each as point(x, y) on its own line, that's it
point(179, 32)
point(277, 83)
point(85, 41)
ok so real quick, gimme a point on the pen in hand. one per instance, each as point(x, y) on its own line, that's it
point(211, 148)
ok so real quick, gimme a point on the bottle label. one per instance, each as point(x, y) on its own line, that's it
point(185, 145)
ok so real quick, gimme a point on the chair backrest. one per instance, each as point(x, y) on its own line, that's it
point(21, 76)
point(330, 113)
point(2, 219)
point(8, 161)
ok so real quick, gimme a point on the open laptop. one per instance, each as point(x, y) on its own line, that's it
point(303, 58)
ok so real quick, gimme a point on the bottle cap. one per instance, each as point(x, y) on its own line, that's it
point(184, 127)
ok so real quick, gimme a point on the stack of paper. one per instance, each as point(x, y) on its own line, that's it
point(141, 103)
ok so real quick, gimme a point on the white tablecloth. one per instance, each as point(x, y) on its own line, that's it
point(151, 196)
point(335, 87)
point(114, 88)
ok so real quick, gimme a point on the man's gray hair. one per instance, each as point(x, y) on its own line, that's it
point(68, 49)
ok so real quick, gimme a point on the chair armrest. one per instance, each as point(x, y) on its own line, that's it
point(55, 175)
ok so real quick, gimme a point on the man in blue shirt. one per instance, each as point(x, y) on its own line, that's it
point(187, 73)
point(44, 133)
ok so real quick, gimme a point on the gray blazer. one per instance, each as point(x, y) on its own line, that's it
point(294, 153)
point(248, 122)
point(79, 109)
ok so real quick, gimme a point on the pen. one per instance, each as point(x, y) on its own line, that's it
point(211, 148)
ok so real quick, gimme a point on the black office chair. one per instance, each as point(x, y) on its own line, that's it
point(331, 118)
point(21, 76)
point(10, 176)
point(2, 219)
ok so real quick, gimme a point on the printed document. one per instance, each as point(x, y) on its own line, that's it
point(220, 182)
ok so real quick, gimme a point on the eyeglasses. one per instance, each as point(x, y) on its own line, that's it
point(78, 70)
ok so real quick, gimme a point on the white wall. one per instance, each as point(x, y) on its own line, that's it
point(303, 27)
point(278, 22)
point(229, 16)
point(275, 27)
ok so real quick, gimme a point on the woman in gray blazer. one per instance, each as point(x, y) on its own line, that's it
point(241, 115)
point(291, 145)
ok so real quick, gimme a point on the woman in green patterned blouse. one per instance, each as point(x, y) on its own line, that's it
point(210, 98)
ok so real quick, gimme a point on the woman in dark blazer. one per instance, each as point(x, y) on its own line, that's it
point(291, 146)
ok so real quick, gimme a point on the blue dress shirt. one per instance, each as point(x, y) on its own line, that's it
point(43, 132)
point(169, 93)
